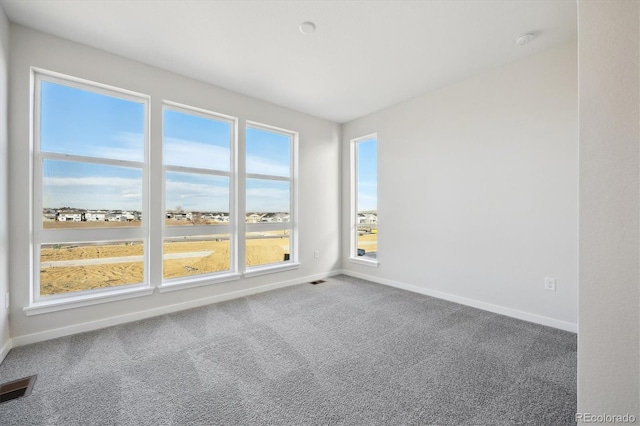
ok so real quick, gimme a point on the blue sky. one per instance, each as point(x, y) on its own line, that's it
point(368, 175)
point(83, 123)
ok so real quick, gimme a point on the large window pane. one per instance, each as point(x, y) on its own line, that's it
point(80, 122)
point(268, 198)
point(194, 141)
point(79, 194)
point(71, 267)
point(367, 198)
point(193, 198)
point(264, 248)
point(268, 153)
point(203, 254)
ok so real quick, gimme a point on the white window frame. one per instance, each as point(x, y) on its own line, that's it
point(353, 226)
point(188, 231)
point(292, 225)
point(42, 304)
point(237, 229)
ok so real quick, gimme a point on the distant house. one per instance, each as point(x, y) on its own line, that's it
point(93, 216)
point(128, 216)
point(116, 217)
point(220, 217)
point(254, 218)
point(50, 217)
point(367, 218)
point(69, 216)
point(276, 217)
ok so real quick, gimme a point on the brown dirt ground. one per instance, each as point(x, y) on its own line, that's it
point(75, 278)
point(370, 242)
point(73, 252)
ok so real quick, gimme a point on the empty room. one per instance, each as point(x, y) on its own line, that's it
point(319, 212)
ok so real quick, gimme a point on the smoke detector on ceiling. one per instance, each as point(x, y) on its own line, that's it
point(307, 27)
point(524, 39)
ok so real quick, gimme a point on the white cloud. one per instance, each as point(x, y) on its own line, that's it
point(367, 184)
point(93, 192)
point(197, 196)
point(263, 166)
point(131, 138)
point(267, 200)
point(182, 152)
point(367, 201)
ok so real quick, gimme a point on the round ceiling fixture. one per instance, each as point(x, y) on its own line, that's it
point(307, 27)
point(524, 39)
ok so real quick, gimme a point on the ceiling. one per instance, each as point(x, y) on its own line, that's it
point(364, 55)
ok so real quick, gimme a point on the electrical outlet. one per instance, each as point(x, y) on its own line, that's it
point(550, 284)
point(316, 254)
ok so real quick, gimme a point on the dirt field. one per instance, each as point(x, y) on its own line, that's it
point(64, 279)
point(368, 242)
point(86, 277)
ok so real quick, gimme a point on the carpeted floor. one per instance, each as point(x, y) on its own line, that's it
point(346, 352)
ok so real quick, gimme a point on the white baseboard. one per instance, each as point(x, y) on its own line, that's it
point(122, 319)
point(514, 313)
point(4, 351)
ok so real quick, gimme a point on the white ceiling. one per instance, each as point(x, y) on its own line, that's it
point(364, 55)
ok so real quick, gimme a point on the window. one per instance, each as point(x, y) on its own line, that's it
point(364, 200)
point(270, 238)
point(90, 189)
point(199, 223)
point(93, 188)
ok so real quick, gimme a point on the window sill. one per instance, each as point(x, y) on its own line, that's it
point(270, 269)
point(45, 307)
point(369, 263)
point(182, 283)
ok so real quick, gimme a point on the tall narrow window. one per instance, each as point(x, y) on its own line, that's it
point(90, 188)
point(270, 196)
point(364, 222)
point(199, 235)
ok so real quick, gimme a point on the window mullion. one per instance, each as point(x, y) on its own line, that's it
point(268, 177)
point(92, 160)
point(196, 170)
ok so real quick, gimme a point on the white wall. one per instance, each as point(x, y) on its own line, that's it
point(4, 313)
point(608, 343)
point(319, 187)
point(478, 190)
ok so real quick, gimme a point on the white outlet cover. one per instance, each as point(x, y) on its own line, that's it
point(550, 284)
